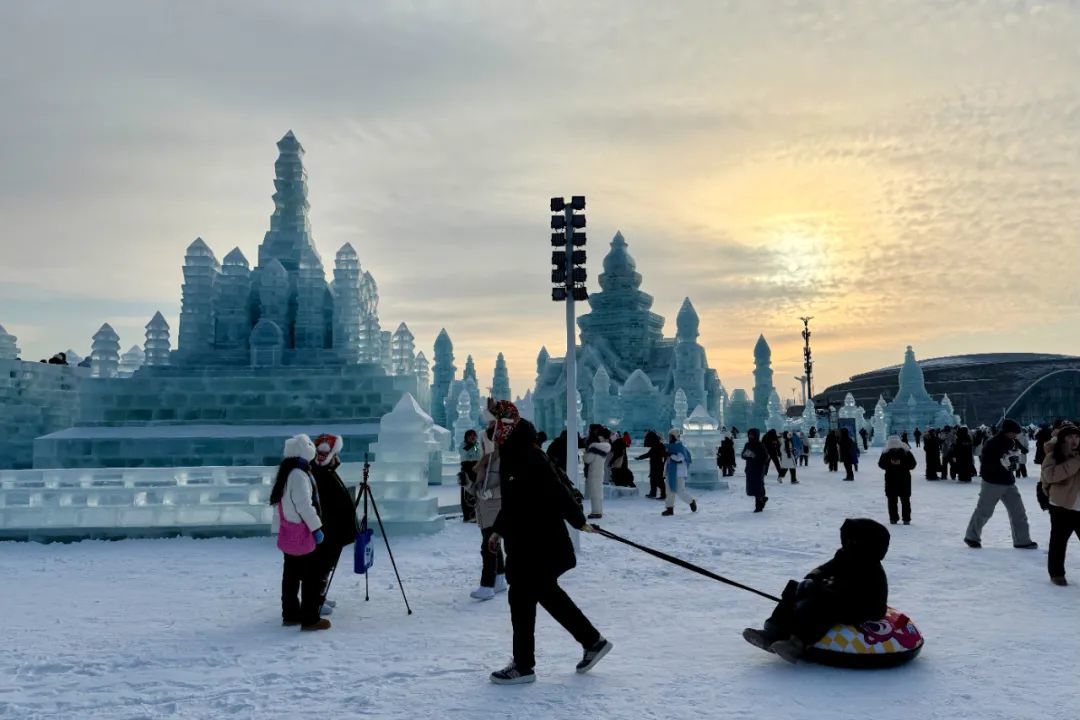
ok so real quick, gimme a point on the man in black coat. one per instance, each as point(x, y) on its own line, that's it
point(338, 508)
point(897, 462)
point(536, 506)
point(999, 485)
point(849, 589)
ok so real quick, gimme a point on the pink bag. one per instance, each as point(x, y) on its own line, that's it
point(294, 538)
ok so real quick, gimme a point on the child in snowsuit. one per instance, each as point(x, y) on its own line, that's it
point(897, 461)
point(849, 589)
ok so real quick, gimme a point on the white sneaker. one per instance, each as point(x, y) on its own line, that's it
point(482, 593)
point(500, 583)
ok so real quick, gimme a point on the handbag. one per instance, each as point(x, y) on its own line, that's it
point(294, 538)
point(364, 550)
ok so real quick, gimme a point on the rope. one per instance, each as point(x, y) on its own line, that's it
point(682, 563)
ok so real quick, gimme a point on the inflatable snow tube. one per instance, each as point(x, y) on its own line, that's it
point(891, 641)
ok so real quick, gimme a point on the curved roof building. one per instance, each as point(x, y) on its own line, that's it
point(984, 387)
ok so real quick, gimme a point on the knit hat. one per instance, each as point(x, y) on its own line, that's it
point(327, 448)
point(506, 419)
point(1008, 425)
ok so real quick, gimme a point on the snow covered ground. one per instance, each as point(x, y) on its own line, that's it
point(190, 628)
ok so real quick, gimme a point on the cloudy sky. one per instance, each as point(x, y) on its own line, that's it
point(906, 172)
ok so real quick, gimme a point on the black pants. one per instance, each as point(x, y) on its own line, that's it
point(1063, 524)
point(804, 460)
point(800, 613)
point(492, 562)
point(1021, 471)
point(331, 554)
point(524, 597)
point(905, 506)
point(468, 506)
point(657, 486)
point(832, 465)
point(794, 475)
point(847, 468)
point(303, 575)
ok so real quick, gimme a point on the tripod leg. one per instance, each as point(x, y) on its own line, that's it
point(389, 552)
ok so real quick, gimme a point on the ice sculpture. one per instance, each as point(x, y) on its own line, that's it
point(464, 421)
point(403, 458)
point(525, 406)
point(809, 416)
point(105, 352)
point(232, 303)
point(722, 403)
point(346, 290)
point(8, 348)
point(701, 436)
point(776, 419)
point(739, 412)
point(640, 406)
point(678, 417)
point(500, 381)
point(423, 380)
point(763, 383)
point(880, 424)
point(946, 415)
point(370, 341)
point(444, 372)
point(851, 411)
point(402, 351)
point(197, 298)
point(605, 405)
point(156, 349)
point(386, 341)
point(623, 335)
point(912, 407)
point(267, 344)
point(274, 295)
point(130, 361)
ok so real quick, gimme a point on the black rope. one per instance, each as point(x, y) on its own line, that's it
point(682, 563)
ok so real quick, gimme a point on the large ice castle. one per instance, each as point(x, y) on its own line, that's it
point(628, 372)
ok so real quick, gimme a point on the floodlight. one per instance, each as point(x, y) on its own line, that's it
point(577, 202)
point(558, 204)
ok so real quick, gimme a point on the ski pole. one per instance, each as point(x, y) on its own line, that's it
point(682, 563)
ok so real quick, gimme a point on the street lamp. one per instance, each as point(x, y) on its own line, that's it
point(568, 285)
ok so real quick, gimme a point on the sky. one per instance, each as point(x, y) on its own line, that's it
point(904, 172)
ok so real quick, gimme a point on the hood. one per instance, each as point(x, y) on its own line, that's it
point(601, 445)
point(895, 443)
point(328, 449)
point(300, 446)
point(864, 538)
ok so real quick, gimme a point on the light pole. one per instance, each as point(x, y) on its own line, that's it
point(808, 363)
point(568, 280)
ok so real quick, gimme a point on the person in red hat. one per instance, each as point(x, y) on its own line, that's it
point(338, 509)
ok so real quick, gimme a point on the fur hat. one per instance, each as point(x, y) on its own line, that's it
point(1065, 430)
point(328, 448)
point(895, 443)
point(300, 446)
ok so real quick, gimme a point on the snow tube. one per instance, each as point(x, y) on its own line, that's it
point(891, 641)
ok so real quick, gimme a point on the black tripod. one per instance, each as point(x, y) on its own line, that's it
point(363, 492)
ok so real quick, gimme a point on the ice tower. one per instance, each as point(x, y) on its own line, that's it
point(500, 382)
point(8, 348)
point(912, 407)
point(156, 349)
point(763, 383)
point(444, 372)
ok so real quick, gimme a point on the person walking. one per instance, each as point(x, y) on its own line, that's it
point(963, 455)
point(487, 493)
point(771, 441)
point(1020, 449)
point(757, 463)
point(297, 523)
point(933, 455)
point(470, 453)
point(789, 458)
point(657, 456)
point(804, 449)
point(831, 453)
point(536, 507)
point(678, 467)
point(897, 461)
point(725, 456)
point(338, 509)
point(1060, 479)
point(847, 449)
point(865, 438)
point(918, 436)
point(596, 455)
point(999, 485)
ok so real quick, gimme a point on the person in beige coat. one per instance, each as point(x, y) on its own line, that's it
point(487, 491)
point(1060, 480)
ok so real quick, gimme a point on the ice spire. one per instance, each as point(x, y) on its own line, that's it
point(8, 348)
point(500, 382)
point(105, 353)
point(157, 346)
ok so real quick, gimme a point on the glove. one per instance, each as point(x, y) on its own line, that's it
point(319, 537)
point(493, 543)
point(587, 528)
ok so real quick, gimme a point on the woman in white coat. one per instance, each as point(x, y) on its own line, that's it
point(296, 501)
point(789, 458)
point(596, 455)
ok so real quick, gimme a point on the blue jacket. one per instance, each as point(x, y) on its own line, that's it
point(676, 449)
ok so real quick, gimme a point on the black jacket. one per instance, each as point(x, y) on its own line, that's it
point(657, 455)
point(338, 512)
point(993, 451)
point(897, 476)
point(535, 509)
point(854, 581)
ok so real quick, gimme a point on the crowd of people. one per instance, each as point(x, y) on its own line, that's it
point(521, 499)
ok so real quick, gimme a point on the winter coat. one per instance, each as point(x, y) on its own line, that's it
point(847, 450)
point(657, 457)
point(1042, 437)
point(994, 460)
point(789, 458)
point(596, 456)
point(300, 500)
point(933, 454)
point(797, 444)
point(757, 462)
point(678, 463)
point(1061, 481)
point(487, 489)
point(832, 448)
point(725, 454)
point(536, 506)
point(897, 464)
point(854, 582)
point(338, 509)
